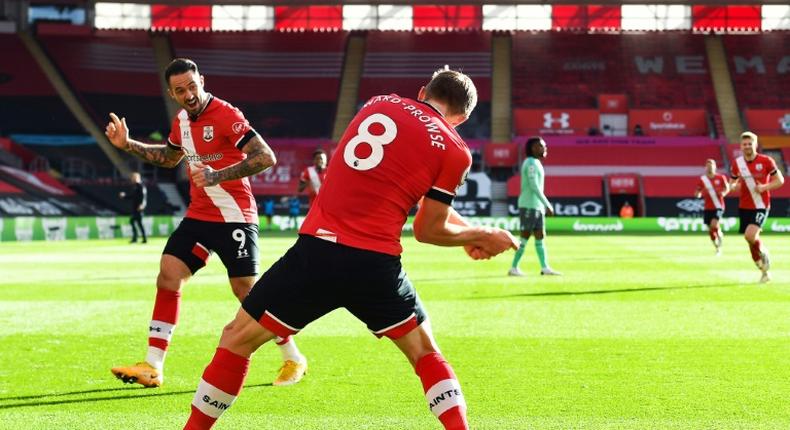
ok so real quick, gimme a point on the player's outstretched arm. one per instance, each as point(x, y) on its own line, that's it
point(433, 225)
point(160, 155)
point(259, 158)
point(777, 180)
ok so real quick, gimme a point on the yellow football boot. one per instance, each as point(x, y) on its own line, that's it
point(141, 373)
point(290, 373)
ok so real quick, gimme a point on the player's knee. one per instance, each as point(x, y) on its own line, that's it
point(416, 348)
point(243, 339)
point(168, 282)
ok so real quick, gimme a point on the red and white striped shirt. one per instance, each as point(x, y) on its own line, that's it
point(751, 173)
point(313, 177)
point(215, 138)
point(712, 190)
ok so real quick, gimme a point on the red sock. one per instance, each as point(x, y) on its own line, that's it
point(442, 391)
point(755, 249)
point(164, 319)
point(712, 233)
point(221, 384)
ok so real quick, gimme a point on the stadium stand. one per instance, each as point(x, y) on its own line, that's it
point(27, 100)
point(76, 157)
point(756, 68)
point(25, 193)
point(401, 62)
point(285, 83)
point(112, 71)
point(655, 70)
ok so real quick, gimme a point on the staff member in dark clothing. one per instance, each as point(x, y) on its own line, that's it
point(137, 195)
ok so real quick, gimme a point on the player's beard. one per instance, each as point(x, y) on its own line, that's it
point(193, 109)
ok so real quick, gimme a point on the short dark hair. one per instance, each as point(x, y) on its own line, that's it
point(318, 151)
point(453, 88)
point(179, 66)
point(530, 145)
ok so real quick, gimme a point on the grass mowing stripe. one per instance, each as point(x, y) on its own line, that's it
point(641, 333)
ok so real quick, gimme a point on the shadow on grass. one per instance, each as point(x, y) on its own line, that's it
point(613, 291)
point(136, 393)
point(418, 281)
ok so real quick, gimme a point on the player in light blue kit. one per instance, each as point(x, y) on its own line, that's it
point(533, 206)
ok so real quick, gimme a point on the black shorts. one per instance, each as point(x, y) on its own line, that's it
point(531, 219)
point(236, 244)
point(316, 276)
point(710, 214)
point(751, 216)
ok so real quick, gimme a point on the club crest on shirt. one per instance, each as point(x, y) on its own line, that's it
point(759, 167)
point(208, 133)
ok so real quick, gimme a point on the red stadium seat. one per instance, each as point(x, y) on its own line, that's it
point(755, 62)
point(566, 70)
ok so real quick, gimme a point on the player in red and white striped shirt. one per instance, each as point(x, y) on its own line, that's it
point(395, 152)
point(712, 187)
point(313, 177)
point(222, 150)
point(755, 175)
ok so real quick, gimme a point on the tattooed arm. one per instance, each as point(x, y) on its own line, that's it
point(259, 158)
point(159, 155)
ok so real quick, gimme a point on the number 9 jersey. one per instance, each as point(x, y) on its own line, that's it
point(394, 152)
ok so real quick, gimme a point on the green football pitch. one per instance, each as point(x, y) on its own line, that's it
point(642, 332)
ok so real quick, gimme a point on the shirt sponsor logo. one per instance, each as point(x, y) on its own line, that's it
point(194, 158)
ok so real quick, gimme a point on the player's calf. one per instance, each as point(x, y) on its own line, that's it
point(442, 391)
point(221, 384)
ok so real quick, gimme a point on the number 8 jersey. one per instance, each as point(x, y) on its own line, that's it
point(394, 152)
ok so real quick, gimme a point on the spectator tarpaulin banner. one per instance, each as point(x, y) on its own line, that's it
point(669, 122)
point(771, 122)
point(555, 121)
